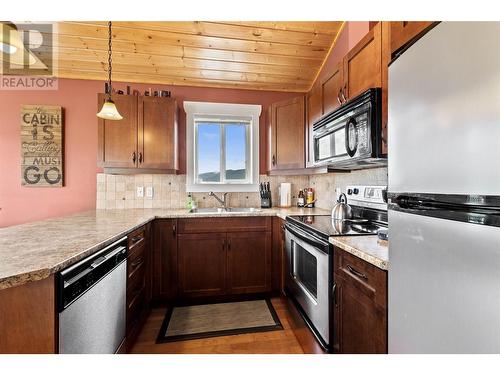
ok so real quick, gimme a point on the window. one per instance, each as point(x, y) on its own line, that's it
point(222, 147)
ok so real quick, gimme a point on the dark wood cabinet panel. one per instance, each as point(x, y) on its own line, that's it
point(363, 64)
point(249, 262)
point(224, 224)
point(331, 89)
point(202, 264)
point(146, 138)
point(138, 282)
point(288, 134)
point(164, 265)
point(157, 136)
point(278, 253)
point(360, 306)
point(117, 140)
point(403, 32)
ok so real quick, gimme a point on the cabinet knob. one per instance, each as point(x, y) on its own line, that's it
point(133, 157)
point(274, 160)
point(140, 157)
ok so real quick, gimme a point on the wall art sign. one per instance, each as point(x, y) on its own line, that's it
point(42, 146)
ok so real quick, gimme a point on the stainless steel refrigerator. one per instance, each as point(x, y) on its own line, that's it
point(444, 186)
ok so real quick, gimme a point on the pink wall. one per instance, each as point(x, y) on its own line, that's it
point(78, 98)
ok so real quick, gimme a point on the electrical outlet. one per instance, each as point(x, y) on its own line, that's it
point(149, 192)
point(140, 191)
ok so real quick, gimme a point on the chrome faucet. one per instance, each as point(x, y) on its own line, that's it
point(222, 201)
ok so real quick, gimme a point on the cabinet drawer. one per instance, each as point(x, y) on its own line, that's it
point(136, 268)
point(136, 303)
point(371, 280)
point(224, 224)
point(136, 239)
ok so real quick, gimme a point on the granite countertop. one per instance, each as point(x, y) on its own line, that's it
point(34, 251)
point(369, 248)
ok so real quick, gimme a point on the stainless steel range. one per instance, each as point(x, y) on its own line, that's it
point(309, 260)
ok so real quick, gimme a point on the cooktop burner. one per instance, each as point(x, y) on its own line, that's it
point(325, 226)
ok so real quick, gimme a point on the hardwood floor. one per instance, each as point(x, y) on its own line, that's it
point(273, 342)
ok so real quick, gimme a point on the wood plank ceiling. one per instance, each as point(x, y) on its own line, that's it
point(278, 56)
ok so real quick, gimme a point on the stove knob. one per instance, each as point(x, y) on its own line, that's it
point(349, 191)
point(356, 190)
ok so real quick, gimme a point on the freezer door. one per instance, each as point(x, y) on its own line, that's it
point(444, 112)
point(444, 286)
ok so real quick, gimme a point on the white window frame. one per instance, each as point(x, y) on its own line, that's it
point(196, 111)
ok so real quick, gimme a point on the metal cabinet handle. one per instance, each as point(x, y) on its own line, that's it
point(338, 97)
point(133, 157)
point(136, 239)
point(334, 295)
point(140, 157)
point(274, 160)
point(384, 137)
point(356, 273)
point(136, 264)
point(174, 230)
point(343, 95)
point(228, 245)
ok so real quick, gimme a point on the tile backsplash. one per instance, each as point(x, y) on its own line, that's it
point(169, 191)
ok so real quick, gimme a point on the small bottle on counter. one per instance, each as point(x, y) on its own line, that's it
point(301, 199)
point(310, 198)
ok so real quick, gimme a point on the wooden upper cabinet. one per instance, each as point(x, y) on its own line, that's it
point(249, 262)
point(146, 137)
point(331, 88)
point(363, 64)
point(117, 140)
point(402, 32)
point(157, 136)
point(287, 134)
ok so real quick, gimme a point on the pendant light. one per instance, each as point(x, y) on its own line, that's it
point(12, 46)
point(108, 110)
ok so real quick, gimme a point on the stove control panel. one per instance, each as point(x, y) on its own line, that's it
point(367, 196)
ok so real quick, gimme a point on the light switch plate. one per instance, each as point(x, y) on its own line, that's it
point(140, 191)
point(149, 192)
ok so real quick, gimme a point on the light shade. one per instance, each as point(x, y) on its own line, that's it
point(11, 45)
point(109, 111)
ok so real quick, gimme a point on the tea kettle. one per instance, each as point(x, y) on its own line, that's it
point(341, 210)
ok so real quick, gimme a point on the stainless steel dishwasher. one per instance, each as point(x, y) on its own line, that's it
point(92, 302)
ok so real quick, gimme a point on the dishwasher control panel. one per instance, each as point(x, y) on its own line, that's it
point(75, 280)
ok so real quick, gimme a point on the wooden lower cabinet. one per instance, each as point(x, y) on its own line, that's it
point(138, 282)
point(360, 306)
point(202, 264)
point(278, 253)
point(164, 267)
point(224, 256)
point(248, 262)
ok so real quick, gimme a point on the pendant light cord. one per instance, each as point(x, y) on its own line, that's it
point(109, 60)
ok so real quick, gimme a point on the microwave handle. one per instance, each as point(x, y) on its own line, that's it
point(350, 152)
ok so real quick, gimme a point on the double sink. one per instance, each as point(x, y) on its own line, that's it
point(221, 210)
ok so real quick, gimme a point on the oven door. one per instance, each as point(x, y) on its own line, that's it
point(308, 278)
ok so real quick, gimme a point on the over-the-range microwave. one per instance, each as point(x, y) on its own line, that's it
point(350, 137)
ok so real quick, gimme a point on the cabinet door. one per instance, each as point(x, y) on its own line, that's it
point(157, 137)
point(363, 64)
point(331, 87)
point(314, 112)
point(249, 262)
point(117, 140)
point(403, 32)
point(202, 264)
point(287, 134)
point(361, 320)
point(164, 265)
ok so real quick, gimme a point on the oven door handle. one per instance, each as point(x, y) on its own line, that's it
point(307, 237)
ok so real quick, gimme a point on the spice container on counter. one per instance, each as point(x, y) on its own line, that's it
point(309, 198)
point(301, 201)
